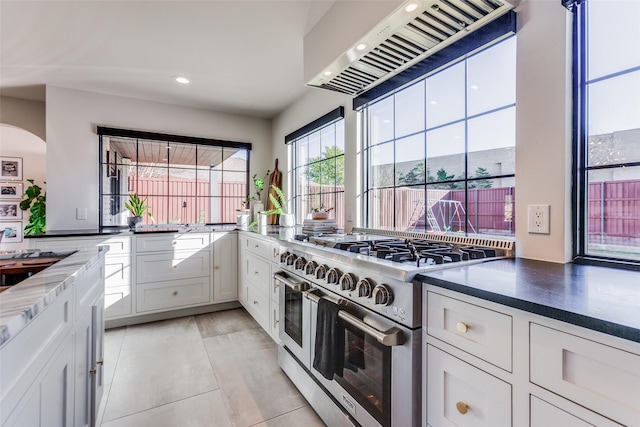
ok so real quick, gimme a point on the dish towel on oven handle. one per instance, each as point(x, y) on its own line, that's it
point(329, 352)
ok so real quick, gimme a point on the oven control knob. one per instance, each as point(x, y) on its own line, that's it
point(299, 263)
point(321, 272)
point(382, 295)
point(290, 259)
point(333, 276)
point(310, 268)
point(348, 282)
point(283, 257)
point(364, 287)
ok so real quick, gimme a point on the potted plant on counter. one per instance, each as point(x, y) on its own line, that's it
point(137, 207)
point(279, 208)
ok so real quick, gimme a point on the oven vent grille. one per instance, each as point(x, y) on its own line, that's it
point(507, 245)
point(402, 40)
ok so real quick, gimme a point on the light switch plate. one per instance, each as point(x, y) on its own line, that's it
point(81, 213)
point(538, 219)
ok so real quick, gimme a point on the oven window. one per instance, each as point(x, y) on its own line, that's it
point(367, 373)
point(293, 315)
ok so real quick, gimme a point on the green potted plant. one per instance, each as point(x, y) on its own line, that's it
point(137, 207)
point(280, 207)
point(35, 202)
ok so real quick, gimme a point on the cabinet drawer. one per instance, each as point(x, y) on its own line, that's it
point(602, 378)
point(117, 271)
point(259, 247)
point(259, 272)
point(172, 294)
point(172, 242)
point(258, 305)
point(544, 414)
point(461, 395)
point(117, 301)
point(166, 266)
point(479, 331)
point(117, 245)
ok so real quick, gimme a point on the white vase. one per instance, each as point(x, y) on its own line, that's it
point(243, 217)
point(287, 220)
point(262, 219)
point(256, 208)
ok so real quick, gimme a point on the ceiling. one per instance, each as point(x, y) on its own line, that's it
point(243, 57)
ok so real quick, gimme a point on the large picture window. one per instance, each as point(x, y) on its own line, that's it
point(184, 180)
point(607, 67)
point(318, 167)
point(440, 154)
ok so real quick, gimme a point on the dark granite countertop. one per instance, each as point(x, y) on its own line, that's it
point(598, 298)
point(113, 231)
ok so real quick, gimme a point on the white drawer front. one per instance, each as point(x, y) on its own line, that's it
point(484, 333)
point(258, 272)
point(602, 378)
point(258, 305)
point(166, 266)
point(172, 294)
point(544, 414)
point(117, 302)
point(117, 271)
point(259, 247)
point(461, 395)
point(172, 242)
point(117, 245)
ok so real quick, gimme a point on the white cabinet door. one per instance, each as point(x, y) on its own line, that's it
point(225, 267)
point(461, 395)
point(97, 357)
point(83, 350)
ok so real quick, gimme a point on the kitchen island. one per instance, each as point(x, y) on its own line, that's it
point(51, 343)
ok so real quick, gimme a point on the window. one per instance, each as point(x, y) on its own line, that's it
point(184, 180)
point(317, 151)
point(440, 154)
point(607, 147)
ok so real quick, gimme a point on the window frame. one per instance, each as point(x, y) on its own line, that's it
point(363, 112)
point(580, 187)
point(104, 131)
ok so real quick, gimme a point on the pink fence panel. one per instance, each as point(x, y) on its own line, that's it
point(614, 209)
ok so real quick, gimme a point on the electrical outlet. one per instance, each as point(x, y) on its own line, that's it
point(538, 216)
point(81, 213)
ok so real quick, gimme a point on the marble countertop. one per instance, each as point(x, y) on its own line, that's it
point(24, 301)
point(603, 299)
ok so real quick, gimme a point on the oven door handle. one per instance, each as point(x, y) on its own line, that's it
point(391, 337)
point(288, 283)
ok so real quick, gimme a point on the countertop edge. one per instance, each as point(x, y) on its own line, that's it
point(607, 327)
point(28, 299)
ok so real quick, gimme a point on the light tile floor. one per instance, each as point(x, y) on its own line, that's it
point(216, 369)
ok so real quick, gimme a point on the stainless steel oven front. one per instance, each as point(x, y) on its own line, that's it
point(378, 386)
point(294, 327)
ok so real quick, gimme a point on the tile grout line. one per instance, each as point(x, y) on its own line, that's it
point(115, 368)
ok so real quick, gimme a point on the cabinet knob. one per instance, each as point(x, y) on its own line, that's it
point(462, 327)
point(217, 267)
point(100, 362)
point(175, 293)
point(93, 370)
point(462, 407)
point(257, 246)
point(174, 243)
point(255, 302)
point(256, 272)
point(175, 266)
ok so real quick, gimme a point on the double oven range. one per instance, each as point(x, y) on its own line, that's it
point(369, 275)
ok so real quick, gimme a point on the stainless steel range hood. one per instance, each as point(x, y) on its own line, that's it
point(404, 38)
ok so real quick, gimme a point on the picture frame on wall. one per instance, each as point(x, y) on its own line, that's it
point(10, 210)
point(12, 232)
point(11, 190)
point(11, 168)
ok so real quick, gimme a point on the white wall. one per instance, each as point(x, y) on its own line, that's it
point(72, 141)
point(17, 142)
point(543, 128)
point(24, 113)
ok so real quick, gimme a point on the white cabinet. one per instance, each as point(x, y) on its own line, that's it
point(225, 267)
point(462, 395)
point(258, 260)
point(543, 372)
point(52, 369)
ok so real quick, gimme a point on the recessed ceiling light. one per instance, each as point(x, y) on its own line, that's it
point(327, 73)
point(411, 7)
point(361, 46)
point(182, 80)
